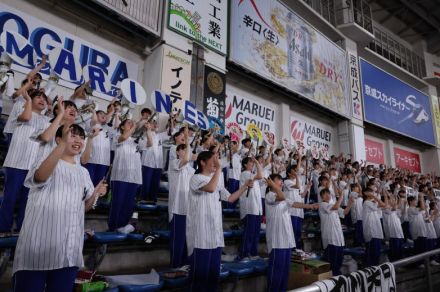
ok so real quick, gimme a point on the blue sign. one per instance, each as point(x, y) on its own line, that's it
point(393, 104)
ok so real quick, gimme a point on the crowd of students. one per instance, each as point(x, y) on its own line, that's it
point(57, 169)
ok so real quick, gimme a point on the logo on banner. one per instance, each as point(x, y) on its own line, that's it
point(374, 151)
point(162, 103)
point(393, 104)
point(25, 38)
point(407, 160)
point(310, 135)
point(244, 111)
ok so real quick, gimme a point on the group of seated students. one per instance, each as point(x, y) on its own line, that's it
point(57, 168)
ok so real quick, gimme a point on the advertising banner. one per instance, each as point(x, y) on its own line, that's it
point(355, 88)
point(204, 21)
point(374, 151)
point(244, 111)
point(407, 160)
point(275, 43)
point(436, 116)
point(176, 76)
point(394, 105)
point(68, 54)
point(214, 92)
point(310, 136)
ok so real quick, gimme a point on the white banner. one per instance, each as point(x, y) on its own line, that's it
point(355, 88)
point(103, 66)
point(176, 76)
point(204, 21)
point(275, 43)
point(244, 111)
point(310, 135)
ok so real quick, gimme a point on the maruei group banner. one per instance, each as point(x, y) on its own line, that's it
point(204, 21)
point(311, 136)
point(392, 104)
point(374, 151)
point(243, 111)
point(275, 43)
point(26, 38)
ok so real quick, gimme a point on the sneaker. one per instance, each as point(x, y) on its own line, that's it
point(435, 263)
point(151, 237)
point(263, 226)
point(422, 266)
point(255, 258)
point(126, 229)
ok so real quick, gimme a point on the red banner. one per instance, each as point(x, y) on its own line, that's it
point(406, 159)
point(374, 152)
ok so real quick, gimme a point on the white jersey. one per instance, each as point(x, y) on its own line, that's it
point(293, 194)
point(417, 226)
point(371, 221)
point(331, 229)
point(204, 224)
point(101, 147)
point(23, 148)
point(235, 171)
point(127, 163)
point(262, 182)
point(179, 187)
point(250, 203)
point(436, 223)
point(356, 209)
point(152, 156)
point(16, 110)
point(279, 231)
point(52, 235)
point(392, 226)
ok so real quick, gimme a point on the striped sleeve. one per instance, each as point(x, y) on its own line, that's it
point(197, 182)
point(30, 177)
point(271, 198)
point(89, 188)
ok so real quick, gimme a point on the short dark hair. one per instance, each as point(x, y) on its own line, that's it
point(76, 130)
point(145, 110)
point(324, 191)
point(180, 147)
point(245, 140)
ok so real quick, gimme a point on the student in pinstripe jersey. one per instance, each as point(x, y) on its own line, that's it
point(152, 161)
point(99, 161)
point(204, 229)
point(126, 177)
point(279, 233)
point(20, 156)
point(49, 248)
point(250, 208)
point(32, 81)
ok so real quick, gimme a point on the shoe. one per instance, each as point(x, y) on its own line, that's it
point(255, 258)
point(126, 229)
point(151, 237)
point(263, 226)
point(434, 263)
point(422, 266)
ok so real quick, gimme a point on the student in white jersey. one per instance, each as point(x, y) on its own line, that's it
point(417, 226)
point(234, 172)
point(126, 177)
point(152, 161)
point(279, 233)
point(49, 248)
point(180, 173)
point(21, 154)
point(32, 81)
point(292, 189)
point(204, 229)
point(331, 229)
point(372, 228)
point(393, 230)
point(99, 161)
point(356, 213)
point(250, 208)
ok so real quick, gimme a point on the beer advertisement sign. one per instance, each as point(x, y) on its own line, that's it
point(275, 43)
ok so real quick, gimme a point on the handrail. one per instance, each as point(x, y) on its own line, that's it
point(400, 263)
